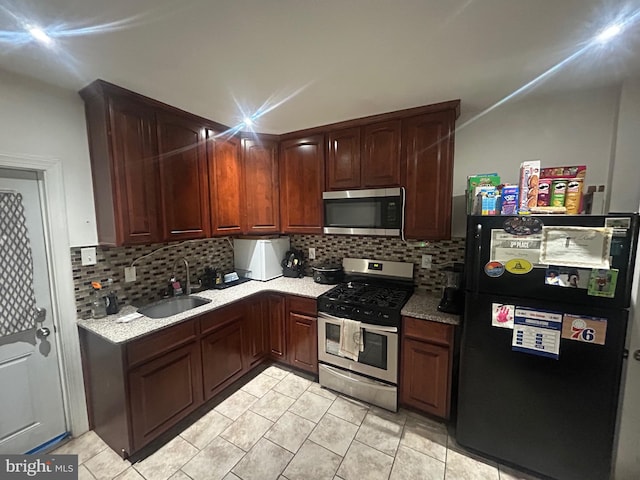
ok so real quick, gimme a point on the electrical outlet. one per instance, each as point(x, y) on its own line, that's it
point(88, 256)
point(129, 274)
point(312, 253)
point(426, 261)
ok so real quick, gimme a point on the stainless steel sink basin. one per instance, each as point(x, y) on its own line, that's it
point(172, 306)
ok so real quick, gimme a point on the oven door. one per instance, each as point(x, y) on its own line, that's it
point(379, 359)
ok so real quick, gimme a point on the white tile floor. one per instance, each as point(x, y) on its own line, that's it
point(282, 426)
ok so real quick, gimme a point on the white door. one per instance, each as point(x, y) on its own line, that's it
point(32, 412)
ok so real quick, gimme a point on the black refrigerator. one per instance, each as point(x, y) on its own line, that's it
point(543, 345)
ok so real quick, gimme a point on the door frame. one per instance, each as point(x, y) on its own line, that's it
point(63, 313)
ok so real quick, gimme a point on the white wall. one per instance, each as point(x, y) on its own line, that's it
point(626, 197)
point(39, 120)
point(625, 184)
point(568, 129)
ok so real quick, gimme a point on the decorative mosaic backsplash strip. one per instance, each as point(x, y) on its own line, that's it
point(333, 248)
point(153, 273)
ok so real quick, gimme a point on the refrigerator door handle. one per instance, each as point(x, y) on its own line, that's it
point(477, 246)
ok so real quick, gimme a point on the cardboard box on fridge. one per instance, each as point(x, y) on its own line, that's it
point(529, 178)
point(478, 180)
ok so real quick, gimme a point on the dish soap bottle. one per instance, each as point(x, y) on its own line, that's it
point(98, 305)
point(110, 299)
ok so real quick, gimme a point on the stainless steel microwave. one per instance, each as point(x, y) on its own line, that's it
point(377, 211)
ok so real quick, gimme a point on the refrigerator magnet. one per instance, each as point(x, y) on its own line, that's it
point(537, 332)
point(494, 269)
point(522, 225)
point(584, 329)
point(518, 266)
point(602, 283)
point(502, 315)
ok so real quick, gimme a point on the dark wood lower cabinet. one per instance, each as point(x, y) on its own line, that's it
point(222, 358)
point(426, 366)
point(140, 389)
point(277, 327)
point(256, 325)
point(302, 325)
point(163, 391)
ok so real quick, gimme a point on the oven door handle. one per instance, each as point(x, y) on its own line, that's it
point(366, 326)
point(370, 383)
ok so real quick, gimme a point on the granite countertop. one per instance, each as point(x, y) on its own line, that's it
point(421, 305)
point(116, 332)
point(424, 305)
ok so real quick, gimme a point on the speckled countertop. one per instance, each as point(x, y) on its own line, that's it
point(424, 305)
point(115, 332)
point(420, 305)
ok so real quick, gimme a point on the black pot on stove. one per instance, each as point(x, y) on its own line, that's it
point(327, 274)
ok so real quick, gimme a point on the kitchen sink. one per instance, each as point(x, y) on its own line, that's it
point(172, 306)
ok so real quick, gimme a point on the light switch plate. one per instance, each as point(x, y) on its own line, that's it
point(426, 261)
point(88, 256)
point(312, 253)
point(129, 274)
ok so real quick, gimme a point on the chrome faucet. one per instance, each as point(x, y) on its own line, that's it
point(186, 267)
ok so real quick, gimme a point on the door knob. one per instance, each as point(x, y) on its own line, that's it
point(636, 355)
point(43, 332)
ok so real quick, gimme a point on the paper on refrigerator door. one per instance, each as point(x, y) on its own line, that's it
point(506, 246)
point(502, 315)
point(537, 332)
point(585, 247)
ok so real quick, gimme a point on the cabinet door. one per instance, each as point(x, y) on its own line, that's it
point(301, 184)
point(303, 342)
point(135, 173)
point(222, 357)
point(343, 161)
point(260, 167)
point(277, 328)
point(184, 181)
point(428, 175)
point(256, 329)
point(381, 156)
point(225, 184)
point(163, 391)
point(425, 374)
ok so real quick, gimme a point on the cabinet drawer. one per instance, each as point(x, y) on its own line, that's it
point(308, 306)
point(219, 318)
point(441, 333)
point(155, 344)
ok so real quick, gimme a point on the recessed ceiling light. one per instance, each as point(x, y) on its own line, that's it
point(40, 35)
point(609, 32)
point(248, 121)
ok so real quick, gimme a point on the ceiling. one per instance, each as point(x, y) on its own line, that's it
point(321, 61)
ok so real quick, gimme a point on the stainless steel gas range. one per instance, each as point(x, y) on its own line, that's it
point(373, 294)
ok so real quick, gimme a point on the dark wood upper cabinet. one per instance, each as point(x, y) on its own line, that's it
point(428, 174)
point(381, 155)
point(122, 145)
point(343, 159)
point(301, 184)
point(226, 186)
point(184, 191)
point(260, 169)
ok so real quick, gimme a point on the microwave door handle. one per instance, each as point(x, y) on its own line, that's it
point(404, 199)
